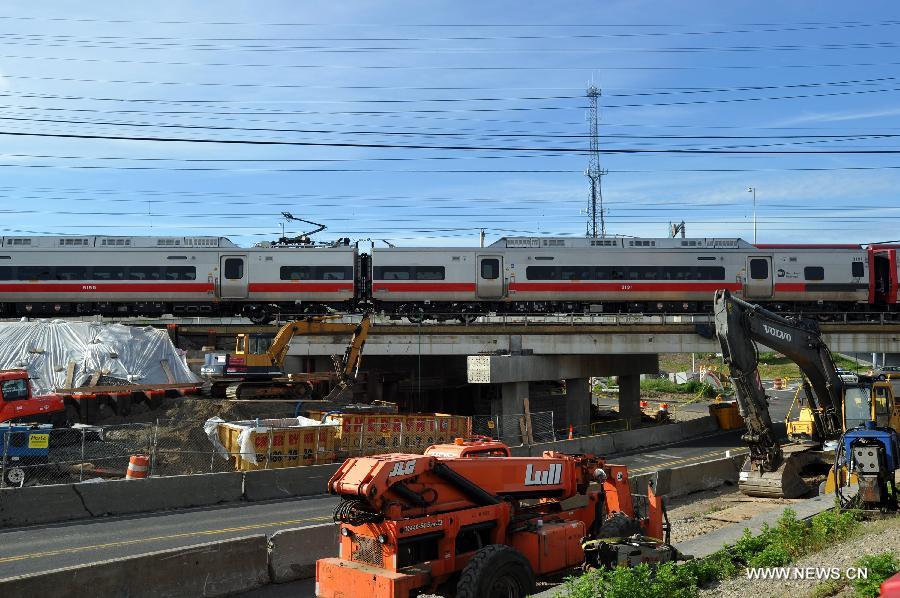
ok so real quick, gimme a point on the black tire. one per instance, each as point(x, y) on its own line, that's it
point(15, 476)
point(496, 571)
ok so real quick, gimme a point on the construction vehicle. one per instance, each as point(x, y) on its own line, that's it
point(255, 371)
point(18, 403)
point(470, 515)
point(832, 405)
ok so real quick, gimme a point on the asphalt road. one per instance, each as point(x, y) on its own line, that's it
point(41, 548)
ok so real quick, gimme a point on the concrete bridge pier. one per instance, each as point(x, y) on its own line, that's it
point(514, 372)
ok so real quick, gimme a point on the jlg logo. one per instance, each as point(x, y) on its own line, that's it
point(777, 333)
point(544, 477)
point(403, 468)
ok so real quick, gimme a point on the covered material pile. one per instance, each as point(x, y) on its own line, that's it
point(61, 354)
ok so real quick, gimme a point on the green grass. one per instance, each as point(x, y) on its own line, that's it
point(771, 365)
point(775, 546)
point(693, 387)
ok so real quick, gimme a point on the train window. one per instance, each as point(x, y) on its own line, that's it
point(6, 273)
point(575, 273)
point(35, 273)
point(190, 272)
point(334, 272)
point(759, 269)
point(234, 268)
point(144, 273)
point(71, 272)
point(858, 270)
point(711, 273)
point(429, 272)
point(108, 273)
point(541, 273)
point(392, 272)
point(296, 272)
point(814, 273)
point(490, 269)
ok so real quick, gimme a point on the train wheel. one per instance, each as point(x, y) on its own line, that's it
point(467, 317)
point(496, 571)
point(259, 315)
point(416, 315)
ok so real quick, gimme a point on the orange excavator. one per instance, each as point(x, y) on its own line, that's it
point(471, 515)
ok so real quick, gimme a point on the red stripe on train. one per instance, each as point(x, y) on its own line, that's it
point(106, 287)
point(299, 286)
point(424, 287)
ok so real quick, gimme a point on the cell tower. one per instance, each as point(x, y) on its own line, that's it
point(594, 172)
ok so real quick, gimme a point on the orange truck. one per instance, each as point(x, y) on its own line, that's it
point(19, 403)
point(468, 514)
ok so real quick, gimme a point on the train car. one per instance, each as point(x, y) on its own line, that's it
point(151, 276)
point(578, 275)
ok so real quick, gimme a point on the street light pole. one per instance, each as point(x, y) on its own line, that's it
point(753, 191)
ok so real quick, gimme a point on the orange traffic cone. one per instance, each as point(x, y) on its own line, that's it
point(138, 467)
point(571, 433)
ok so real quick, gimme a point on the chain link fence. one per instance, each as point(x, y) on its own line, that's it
point(37, 455)
point(516, 429)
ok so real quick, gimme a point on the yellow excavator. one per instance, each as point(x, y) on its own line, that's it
point(257, 372)
point(832, 406)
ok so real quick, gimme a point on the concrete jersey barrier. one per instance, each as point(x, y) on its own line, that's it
point(207, 570)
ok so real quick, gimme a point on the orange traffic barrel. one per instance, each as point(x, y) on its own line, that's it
point(138, 467)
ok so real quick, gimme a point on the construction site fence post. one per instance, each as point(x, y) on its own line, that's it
point(6, 436)
point(81, 465)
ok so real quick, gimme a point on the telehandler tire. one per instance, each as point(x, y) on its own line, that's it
point(496, 571)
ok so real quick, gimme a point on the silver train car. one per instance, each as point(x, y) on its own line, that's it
point(584, 275)
point(185, 276)
point(150, 276)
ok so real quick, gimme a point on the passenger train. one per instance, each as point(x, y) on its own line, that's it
point(152, 276)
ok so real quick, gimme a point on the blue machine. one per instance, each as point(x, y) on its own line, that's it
point(22, 447)
point(873, 454)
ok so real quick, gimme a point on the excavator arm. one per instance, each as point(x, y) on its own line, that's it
point(739, 326)
point(348, 367)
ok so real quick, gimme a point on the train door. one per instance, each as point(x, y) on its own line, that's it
point(490, 277)
point(882, 276)
point(233, 275)
point(758, 283)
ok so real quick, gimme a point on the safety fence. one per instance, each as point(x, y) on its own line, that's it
point(40, 456)
point(33, 455)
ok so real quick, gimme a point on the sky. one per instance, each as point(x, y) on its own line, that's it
point(421, 123)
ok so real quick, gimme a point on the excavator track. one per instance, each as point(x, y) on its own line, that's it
point(784, 482)
point(248, 391)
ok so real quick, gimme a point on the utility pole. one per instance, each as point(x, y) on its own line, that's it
point(594, 172)
point(753, 191)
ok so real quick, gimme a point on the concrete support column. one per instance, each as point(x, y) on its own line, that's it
point(512, 399)
point(578, 406)
point(630, 398)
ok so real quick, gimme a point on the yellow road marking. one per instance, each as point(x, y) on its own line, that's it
point(211, 532)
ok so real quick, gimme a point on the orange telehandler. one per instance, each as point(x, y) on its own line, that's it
point(469, 514)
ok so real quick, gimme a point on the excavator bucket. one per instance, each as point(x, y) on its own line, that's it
point(784, 482)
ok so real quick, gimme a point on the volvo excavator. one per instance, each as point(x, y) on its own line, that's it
point(833, 405)
point(260, 374)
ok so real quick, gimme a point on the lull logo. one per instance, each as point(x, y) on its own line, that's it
point(776, 333)
point(403, 468)
point(544, 477)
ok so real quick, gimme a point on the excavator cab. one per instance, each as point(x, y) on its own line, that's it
point(873, 402)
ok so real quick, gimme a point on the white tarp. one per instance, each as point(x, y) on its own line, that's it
point(46, 347)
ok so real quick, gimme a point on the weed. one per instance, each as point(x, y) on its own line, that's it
point(828, 588)
point(880, 567)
